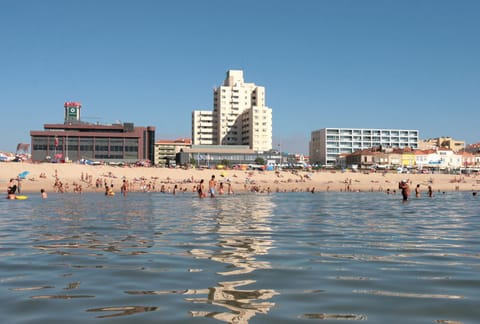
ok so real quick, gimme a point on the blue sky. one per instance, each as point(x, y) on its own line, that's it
point(367, 64)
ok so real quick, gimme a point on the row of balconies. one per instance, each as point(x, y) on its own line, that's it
point(356, 147)
point(371, 132)
point(373, 141)
point(369, 138)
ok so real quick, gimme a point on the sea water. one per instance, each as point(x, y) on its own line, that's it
point(244, 258)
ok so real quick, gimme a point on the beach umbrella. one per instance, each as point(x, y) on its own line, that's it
point(24, 174)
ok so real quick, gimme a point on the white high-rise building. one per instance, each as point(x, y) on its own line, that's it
point(202, 127)
point(328, 143)
point(239, 116)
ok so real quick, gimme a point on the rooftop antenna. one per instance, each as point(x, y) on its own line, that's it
point(96, 119)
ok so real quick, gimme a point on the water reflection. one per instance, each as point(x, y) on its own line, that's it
point(61, 296)
point(242, 238)
point(71, 234)
point(343, 317)
point(122, 310)
point(78, 231)
point(407, 295)
point(72, 258)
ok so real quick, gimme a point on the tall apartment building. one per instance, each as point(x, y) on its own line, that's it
point(327, 143)
point(202, 127)
point(239, 116)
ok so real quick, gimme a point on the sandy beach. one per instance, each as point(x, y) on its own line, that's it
point(87, 178)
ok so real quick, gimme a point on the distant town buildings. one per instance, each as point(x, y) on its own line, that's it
point(407, 159)
point(473, 148)
point(76, 140)
point(441, 142)
point(239, 131)
point(239, 116)
point(328, 143)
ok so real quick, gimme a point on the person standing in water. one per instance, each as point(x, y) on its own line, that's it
point(11, 189)
point(124, 188)
point(211, 186)
point(200, 189)
point(430, 191)
point(417, 191)
point(403, 185)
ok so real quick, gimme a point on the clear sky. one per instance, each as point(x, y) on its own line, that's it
point(410, 64)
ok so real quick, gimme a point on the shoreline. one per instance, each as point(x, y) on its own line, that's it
point(71, 175)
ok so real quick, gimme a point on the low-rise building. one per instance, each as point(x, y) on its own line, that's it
point(449, 159)
point(408, 157)
point(427, 159)
point(367, 158)
point(210, 156)
point(166, 150)
point(76, 140)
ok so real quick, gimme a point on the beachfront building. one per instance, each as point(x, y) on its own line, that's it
point(166, 150)
point(77, 140)
point(215, 156)
point(408, 158)
point(327, 143)
point(468, 159)
point(449, 159)
point(427, 159)
point(239, 116)
point(441, 159)
point(367, 158)
point(381, 159)
point(475, 150)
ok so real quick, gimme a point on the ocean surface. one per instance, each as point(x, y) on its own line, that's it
point(245, 258)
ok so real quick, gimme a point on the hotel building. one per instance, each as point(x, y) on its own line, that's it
point(76, 140)
point(239, 116)
point(328, 143)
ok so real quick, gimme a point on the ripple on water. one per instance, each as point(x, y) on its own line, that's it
point(246, 258)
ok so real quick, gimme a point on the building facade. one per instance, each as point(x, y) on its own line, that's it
point(202, 127)
point(166, 150)
point(239, 116)
point(210, 156)
point(441, 142)
point(326, 144)
point(76, 140)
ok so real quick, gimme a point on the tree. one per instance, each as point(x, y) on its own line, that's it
point(260, 161)
point(225, 162)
